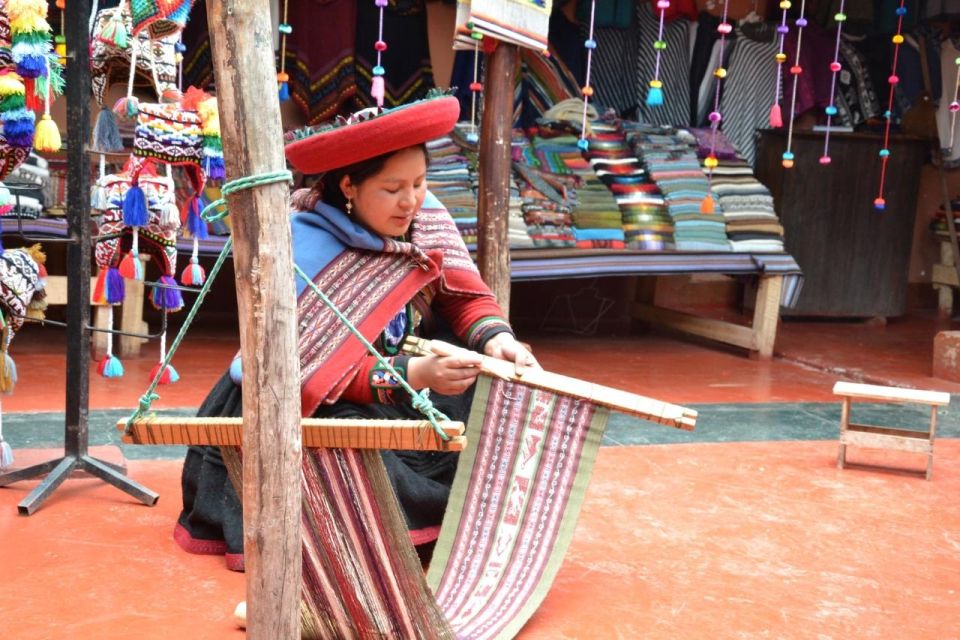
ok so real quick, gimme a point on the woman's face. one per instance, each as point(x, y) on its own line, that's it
point(387, 201)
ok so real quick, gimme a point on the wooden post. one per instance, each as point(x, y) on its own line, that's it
point(243, 57)
point(493, 245)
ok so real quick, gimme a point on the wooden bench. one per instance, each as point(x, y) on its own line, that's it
point(878, 437)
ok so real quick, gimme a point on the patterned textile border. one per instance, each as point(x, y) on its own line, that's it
point(513, 506)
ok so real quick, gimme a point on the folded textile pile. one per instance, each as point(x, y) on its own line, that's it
point(752, 223)
point(670, 158)
point(596, 219)
point(643, 214)
point(546, 199)
point(449, 178)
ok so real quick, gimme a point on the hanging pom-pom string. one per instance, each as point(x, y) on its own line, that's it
point(283, 79)
point(795, 71)
point(378, 89)
point(776, 116)
point(130, 267)
point(835, 67)
point(655, 92)
point(475, 87)
point(955, 105)
point(707, 205)
point(587, 90)
point(881, 203)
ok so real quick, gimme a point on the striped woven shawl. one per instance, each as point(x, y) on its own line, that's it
point(512, 512)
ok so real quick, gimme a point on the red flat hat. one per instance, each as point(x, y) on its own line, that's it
point(357, 139)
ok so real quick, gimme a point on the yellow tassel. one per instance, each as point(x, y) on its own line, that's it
point(210, 117)
point(37, 309)
point(11, 84)
point(47, 136)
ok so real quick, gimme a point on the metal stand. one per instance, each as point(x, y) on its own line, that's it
point(76, 432)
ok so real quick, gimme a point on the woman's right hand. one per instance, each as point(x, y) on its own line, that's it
point(448, 375)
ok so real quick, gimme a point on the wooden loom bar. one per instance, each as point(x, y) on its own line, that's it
point(663, 413)
point(317, 432)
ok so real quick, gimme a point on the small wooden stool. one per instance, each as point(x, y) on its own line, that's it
point(864, 435)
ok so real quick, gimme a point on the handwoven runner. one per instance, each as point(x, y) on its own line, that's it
point(512, 511)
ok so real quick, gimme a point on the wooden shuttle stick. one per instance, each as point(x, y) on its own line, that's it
point(632, 404)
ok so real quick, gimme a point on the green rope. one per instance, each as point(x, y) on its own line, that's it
point(239, 185)
point(419, 399)
point(146, 400)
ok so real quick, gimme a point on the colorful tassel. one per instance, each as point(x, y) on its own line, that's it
point(196, 225)
point(110, 367)
point(127, 107)
point(707, 205)
point(115, 31)
point(99, 295)
point(18, 121)
point(776, 117)
point(169, 375)
point(655, 94)
point(47, 136)
point(115, 288)
point(193, 275)
point(106, 132)
point(135, 212)
point(167, 297)
point(130, 267)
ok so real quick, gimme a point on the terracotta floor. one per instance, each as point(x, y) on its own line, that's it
point(693, 540)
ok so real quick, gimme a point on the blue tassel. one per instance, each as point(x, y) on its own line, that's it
point(174, 376)
point(111, 367)
point(32, 66)
point(135, 213)
point(655, 97)
point(284, 91)
point(196, 225)
point(166, 298)
point(115, 286)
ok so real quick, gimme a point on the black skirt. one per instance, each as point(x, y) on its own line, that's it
point(212, 517)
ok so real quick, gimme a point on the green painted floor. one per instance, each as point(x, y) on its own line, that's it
point(716, 423)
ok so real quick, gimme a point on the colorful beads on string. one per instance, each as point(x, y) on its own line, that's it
point(707, 205)
point(776, 115)
point(587, 91)
point(655, 91)
point(880, 203)
point(835, 68)
point(377, 87)
point(795, 70)
point(283, 79)
point(475, 87)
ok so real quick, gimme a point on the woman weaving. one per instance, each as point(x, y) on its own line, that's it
point(384, 249)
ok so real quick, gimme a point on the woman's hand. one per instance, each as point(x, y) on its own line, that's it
point(505, 347)
point(449, 375)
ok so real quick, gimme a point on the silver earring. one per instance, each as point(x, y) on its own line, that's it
point(349, 207)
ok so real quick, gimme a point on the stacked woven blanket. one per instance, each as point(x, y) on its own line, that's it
point(670, 158)
point(752, 223)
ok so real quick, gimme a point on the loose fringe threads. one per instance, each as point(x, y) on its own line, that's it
point(6, 452)
point(8, 368)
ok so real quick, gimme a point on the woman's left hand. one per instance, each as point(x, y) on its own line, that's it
point(505, 347)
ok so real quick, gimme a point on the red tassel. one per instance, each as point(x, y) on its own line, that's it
point(33, 101)
point(100, 288)
point(776, 118)
point(131, 267)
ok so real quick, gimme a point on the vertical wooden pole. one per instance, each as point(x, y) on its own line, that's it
point(493, 245)
point(243, 57)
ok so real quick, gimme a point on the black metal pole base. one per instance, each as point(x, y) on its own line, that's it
point(60, 469)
